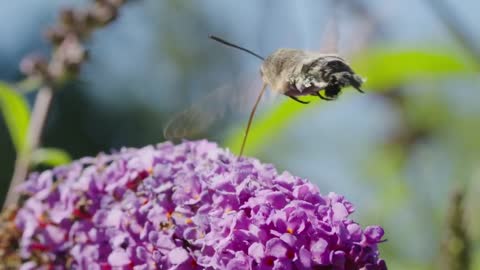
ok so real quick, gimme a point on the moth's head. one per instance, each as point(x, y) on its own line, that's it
point(337, 73)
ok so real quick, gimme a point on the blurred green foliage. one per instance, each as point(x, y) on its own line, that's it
point(16, 112)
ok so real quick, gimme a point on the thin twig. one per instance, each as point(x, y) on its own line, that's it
point(22, 164)
point(39, 115)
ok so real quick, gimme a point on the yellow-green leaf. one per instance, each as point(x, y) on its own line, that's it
point(264, 126)
point(386, 68)
point(16, 113)
point(50, 157)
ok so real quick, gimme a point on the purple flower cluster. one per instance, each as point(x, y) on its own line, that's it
point(190, 206)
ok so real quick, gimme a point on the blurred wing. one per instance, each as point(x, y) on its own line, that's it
point(200, 116)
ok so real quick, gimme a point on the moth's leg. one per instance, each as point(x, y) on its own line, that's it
point(322, 97)
point(298, 100)
point(359, 90)
point(333, 97)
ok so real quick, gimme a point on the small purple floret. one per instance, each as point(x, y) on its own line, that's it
point(189, 206)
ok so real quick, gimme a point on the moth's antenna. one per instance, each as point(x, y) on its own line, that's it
point(235, 46)
point(250, 119)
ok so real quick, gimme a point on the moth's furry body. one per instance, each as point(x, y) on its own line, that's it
point(295, 73)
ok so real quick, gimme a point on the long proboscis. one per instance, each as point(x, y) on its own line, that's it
point(221, 40)
point(250, 119)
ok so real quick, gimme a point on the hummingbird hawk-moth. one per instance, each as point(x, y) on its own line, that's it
point(296, 73)
point(291, 72)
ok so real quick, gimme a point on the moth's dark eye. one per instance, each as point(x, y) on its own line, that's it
point(338, 66)
point(335, 64)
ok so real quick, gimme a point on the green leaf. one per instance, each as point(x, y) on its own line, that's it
point(16, 113)
point(386, 68)
point(266, 125)
point(50, 157)
point(382, 67)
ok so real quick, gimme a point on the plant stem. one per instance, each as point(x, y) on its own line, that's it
point(37, 122)
point(456, 249)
